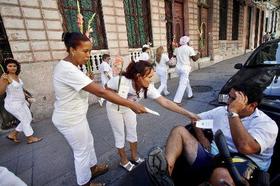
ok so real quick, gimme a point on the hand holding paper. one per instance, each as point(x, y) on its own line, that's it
point(152, 112)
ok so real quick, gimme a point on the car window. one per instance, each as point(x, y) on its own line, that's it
point(268, 54)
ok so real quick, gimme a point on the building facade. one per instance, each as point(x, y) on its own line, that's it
point(31, 32)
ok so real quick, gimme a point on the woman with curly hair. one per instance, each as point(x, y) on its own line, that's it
point(15, 102)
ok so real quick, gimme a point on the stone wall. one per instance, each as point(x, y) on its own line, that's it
point(34, 31)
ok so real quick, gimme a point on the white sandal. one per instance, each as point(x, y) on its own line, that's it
point(129, 166)
point(138, 161)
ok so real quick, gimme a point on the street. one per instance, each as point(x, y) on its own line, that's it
point(50, 162)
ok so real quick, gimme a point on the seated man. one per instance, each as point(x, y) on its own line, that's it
point(248, 131)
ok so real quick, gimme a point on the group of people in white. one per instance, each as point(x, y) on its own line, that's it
point(122, 92)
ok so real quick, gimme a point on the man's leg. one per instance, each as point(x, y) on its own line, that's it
point(180, 141)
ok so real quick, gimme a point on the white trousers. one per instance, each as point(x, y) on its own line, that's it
point(162, 73)
point(121, 120)
point(184, 83)
point(7, 178)
point(21, 111)
point(81, 141)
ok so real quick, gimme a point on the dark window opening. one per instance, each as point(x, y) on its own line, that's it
point(5, 49)
point(223, 20)
point(235, 19)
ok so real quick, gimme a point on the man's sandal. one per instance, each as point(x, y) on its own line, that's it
point(157, 168)
point(138, 161)
point(129, 166)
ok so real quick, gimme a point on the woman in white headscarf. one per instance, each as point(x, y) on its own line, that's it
point(184, 54)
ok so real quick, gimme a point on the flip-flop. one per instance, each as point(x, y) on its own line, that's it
point(13, 139)
point(35, 141)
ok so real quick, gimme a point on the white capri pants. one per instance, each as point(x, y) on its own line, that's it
point(162, 73)
point(184, 83)
point(7, 178)
point(20, 110)
point(81, 141)
point(121, 120)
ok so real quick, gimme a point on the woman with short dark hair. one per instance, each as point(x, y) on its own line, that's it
point(71, 88)
point(15, 102)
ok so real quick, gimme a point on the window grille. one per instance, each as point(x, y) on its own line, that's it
point(68, 9)
point(138, 22)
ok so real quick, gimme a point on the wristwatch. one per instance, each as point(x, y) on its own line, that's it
point(232, 114)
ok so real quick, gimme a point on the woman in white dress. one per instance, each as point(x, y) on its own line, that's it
point(134, 85)
point(72, 88)
point(161, 69)
point(15, 102)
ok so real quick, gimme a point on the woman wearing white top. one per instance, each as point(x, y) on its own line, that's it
point(134, 85)
point(161, 69)
point(71, 88)
point(15, 102)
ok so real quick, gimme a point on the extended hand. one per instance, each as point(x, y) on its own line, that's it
point(138, 108)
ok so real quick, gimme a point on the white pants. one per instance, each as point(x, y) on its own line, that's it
point(8, 178)
point(21, 111)
point(162, 73)
point(81, 141)
point(184, 83)
point(121, 120)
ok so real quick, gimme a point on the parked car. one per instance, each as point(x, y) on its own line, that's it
point(262, 69)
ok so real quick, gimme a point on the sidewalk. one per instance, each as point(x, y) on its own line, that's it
point(50, 162)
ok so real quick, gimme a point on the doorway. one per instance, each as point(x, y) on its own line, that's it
point(178, 20)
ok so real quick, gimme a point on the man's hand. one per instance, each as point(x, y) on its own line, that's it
point(205, 143)
point(239, 103)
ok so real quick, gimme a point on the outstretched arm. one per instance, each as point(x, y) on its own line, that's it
point(114, 98)
point(170, 105)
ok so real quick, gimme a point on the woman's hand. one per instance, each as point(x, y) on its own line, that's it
point(6, 78)
point(193, 117)
point(138, 108)
point(90, 75)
